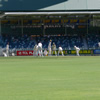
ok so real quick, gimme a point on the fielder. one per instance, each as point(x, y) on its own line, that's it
point(60, 50)
point(13, 52)
point(40, 49)
point(77, 50)
point(99, 44)
point(45, 52)
point(54, 48)
point(4, 54)
point(35, 49)
point(7, 50)
point(49, 48)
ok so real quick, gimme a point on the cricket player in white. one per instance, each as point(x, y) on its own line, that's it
point(99, 44)
point(40, 49)
point(35, 53)
point(49, 48)
point(60, 50)
point(54, 48)
point(77, 50)
point(45, 52)
point(7, 50)
point(4, 54)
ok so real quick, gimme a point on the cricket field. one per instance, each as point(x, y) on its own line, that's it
point(50, 78)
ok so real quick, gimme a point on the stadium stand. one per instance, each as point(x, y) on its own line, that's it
point(65, 34)
point(93, 40)
point(25, 41)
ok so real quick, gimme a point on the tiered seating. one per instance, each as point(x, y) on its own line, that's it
point(28, 42)
point(93, 40)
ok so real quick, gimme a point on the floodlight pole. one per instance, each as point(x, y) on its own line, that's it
point(43, 26)
point(22, 26)
point(87, 26)
point(93, 21)
point(65, 30)
point(64, 25)
point(43, 29)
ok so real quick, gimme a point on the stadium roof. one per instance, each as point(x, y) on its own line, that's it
point(75, 5)
point(52, 13)
point(48, 5)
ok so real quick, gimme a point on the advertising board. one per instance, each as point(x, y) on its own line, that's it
point(25, 53)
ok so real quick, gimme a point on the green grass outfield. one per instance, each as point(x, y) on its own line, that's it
point(50, 78)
